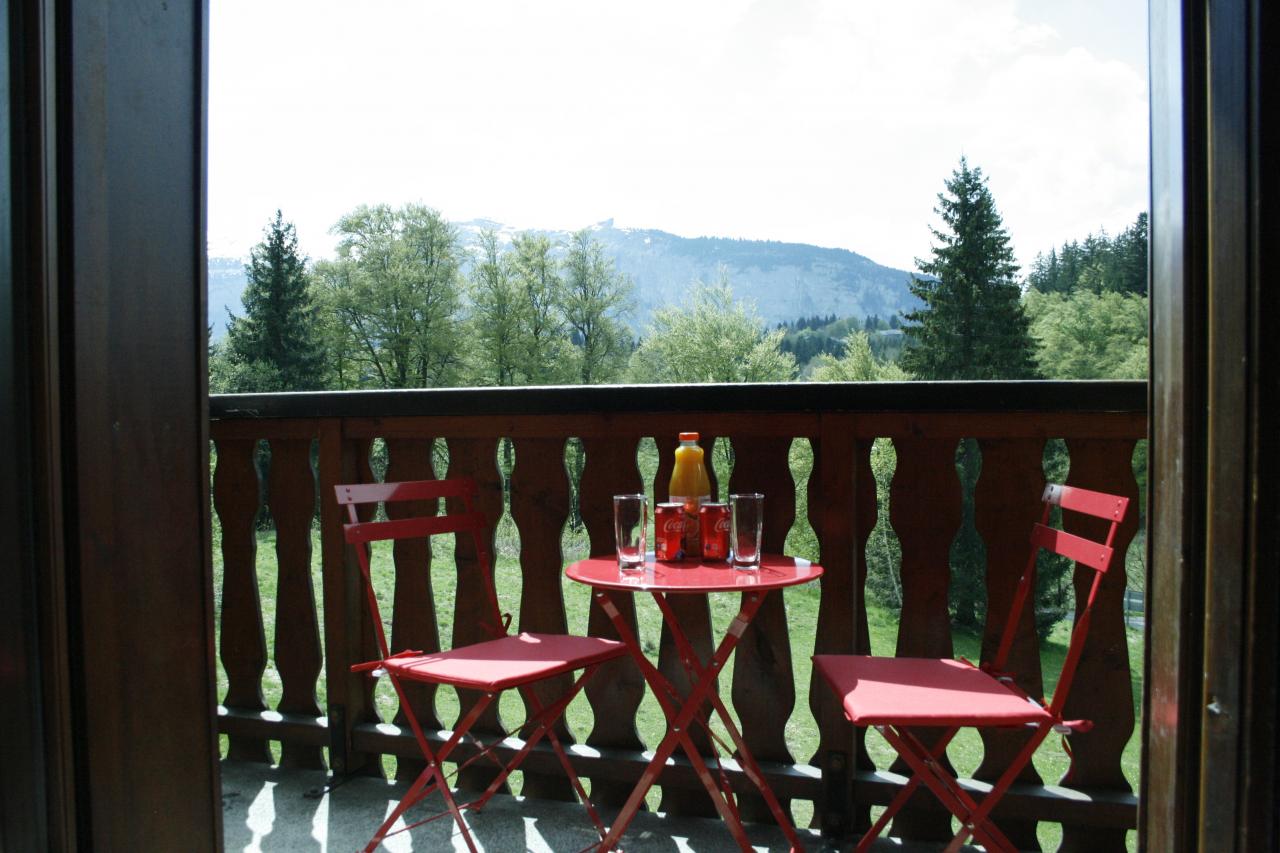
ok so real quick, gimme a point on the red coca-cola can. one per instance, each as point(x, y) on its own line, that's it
point(715, 531)
point(668, 523)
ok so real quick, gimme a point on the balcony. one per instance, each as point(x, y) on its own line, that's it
point(807, 447)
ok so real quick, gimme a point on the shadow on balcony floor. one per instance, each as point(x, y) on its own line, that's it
point(266, 809)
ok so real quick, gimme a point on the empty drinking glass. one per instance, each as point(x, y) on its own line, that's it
point(746, 520)
point(630, 520)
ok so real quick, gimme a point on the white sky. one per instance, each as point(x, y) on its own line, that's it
point(815, 121)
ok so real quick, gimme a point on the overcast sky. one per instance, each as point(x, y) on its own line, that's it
point(831, 122)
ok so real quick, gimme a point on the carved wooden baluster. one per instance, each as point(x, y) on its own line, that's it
point(925, 509)
point(292, 497)
point(694, 613)
point(865, 509)
point(413, 621)
point(616, 690)
point(1006, 505)
point(838, 505)
point(764, 692)
point(368, 639)
point(540, 507)
point(348, 630)
point(666, 445)
point(243, 642)
point(1103, 689)
point(475, 458)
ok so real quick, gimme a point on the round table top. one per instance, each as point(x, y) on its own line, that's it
point(660, 576)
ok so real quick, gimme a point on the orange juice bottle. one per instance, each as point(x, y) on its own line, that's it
point(690, 486)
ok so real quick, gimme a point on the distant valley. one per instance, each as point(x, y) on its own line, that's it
point(786, 281)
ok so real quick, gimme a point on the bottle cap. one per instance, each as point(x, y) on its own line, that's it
point(688, 436)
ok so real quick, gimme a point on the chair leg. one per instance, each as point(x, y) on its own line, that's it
point(569, 772)
point(980, 815)
point(947, 790)
point(543, 719)
point(411, 796)
point(869, 837)
point(463, 727)
point(434, 769)
point(950, 794)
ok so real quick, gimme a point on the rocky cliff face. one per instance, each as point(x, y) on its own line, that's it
point(784, 280)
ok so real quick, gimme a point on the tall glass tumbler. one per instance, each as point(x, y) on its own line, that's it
point(630, 521)
point(746, 521)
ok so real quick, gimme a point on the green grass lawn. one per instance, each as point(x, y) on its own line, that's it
point(965, 751)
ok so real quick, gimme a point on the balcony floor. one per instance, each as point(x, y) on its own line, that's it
point(266, 809)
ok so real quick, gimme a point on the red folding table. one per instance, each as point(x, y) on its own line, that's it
point(664, 579)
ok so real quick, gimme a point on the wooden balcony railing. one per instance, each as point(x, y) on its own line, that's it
point(1100, 423)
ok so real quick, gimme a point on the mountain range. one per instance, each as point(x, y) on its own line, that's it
point(785, 281)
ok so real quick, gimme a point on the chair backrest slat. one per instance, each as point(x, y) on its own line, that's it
point(1086, 552)
point(409, 528)
point(417, 490)
point(361, 533)
point(1097, 504)
point(1071, 546)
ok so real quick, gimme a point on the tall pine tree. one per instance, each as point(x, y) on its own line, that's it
point(972, 325)
point(276, 346)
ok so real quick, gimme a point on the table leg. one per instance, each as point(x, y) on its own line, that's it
point(632, 805)
point(725, 802)
point(751, 605)
point(678, 719)
point(754, 773)
point(695, 671)
point(679, 716)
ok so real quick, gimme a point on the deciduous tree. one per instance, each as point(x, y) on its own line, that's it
point(856, 364)
point(395, 286)
point(1084, 335)
point(497, 316)
point(596, 299)
point(545, 356)
point(711, 338)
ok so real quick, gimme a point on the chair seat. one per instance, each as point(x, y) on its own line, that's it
point(505, 662)
point(923, 691)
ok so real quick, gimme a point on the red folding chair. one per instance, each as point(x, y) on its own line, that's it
point(506, 661)
point(896, 694)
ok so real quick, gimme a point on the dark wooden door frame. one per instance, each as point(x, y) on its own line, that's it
point(106, 640)
point(1171, 707)
point(37, 774)
point(132, 244)
point(1209, 779)
point(22, 771)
